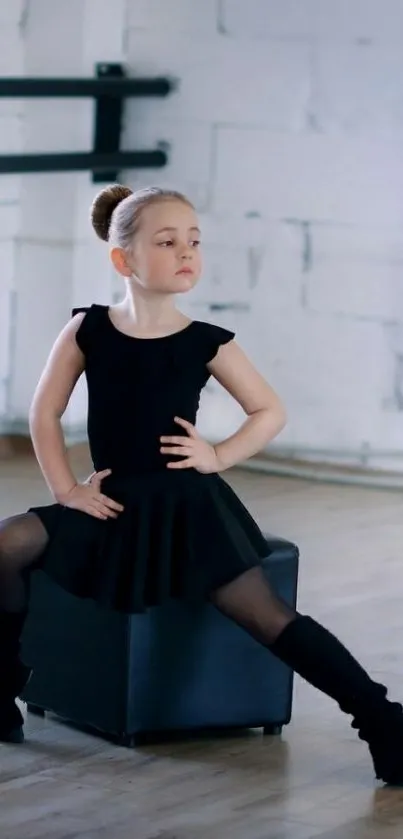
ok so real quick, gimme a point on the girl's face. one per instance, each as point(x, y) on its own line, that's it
point(165, 256)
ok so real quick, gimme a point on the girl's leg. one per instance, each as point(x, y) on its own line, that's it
point(23, 539)
point(317, 655)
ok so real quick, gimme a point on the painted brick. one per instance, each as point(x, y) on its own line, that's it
point(322, 19)
point(366, 98)
point(43, 276)
point(53, 38)
point(7, 256)
point(348, 361)
point(47, 204)
point(311, 177)
point(9, 222)
point(10, 135)
point(12, 12)
point(173, 16)
point(92, 274)
point(253, 84)
point(104, 32)
point(357, 273)
point(58, 125)
point(11, 52)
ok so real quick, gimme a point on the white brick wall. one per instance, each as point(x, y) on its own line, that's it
point(53, 38)
point(11, 126)
point(330, 20)
point(366, 98)
point(343, 254)
point(241, 85)
point(286, 130)
point(319, 177)
point(173, 16)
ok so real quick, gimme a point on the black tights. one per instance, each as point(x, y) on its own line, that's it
point(249, 600)
point(23, 539)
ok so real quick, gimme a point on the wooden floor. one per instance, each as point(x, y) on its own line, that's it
point(316, 781)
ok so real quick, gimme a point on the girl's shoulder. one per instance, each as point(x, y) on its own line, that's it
point(94, 318)
point(209, 337)
point(94, 310)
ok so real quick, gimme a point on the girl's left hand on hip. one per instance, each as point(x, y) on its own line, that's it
point(198, 454)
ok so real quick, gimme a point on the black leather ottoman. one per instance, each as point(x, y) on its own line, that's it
point(176, 668)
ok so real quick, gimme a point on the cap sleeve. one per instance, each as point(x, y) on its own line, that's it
point(213, 338)
point(82, 334)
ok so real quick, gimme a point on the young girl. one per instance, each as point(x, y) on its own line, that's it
point(156, 520)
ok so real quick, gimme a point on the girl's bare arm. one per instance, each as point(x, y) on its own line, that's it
point(265, 412)
point(63, 368)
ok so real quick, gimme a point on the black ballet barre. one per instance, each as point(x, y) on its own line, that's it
point(110, 87)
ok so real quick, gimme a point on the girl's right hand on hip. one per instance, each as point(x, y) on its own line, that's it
point(89, 498)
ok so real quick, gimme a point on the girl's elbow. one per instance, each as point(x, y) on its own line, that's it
point(283, 418)
point(278, 414)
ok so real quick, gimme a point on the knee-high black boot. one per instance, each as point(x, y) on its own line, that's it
point(317, 655)
point(14, 675)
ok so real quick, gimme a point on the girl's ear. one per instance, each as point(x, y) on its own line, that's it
point(119, 259)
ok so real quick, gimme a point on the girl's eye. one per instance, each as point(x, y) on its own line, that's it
point(169, 242)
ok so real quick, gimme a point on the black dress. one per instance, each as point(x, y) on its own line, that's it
point(182, 533)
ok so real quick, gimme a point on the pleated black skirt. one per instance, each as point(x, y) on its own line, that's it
point(181, 535)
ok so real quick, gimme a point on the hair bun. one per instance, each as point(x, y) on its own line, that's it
point(103, 206)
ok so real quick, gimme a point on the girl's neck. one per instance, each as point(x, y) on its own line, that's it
point(145, 318)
